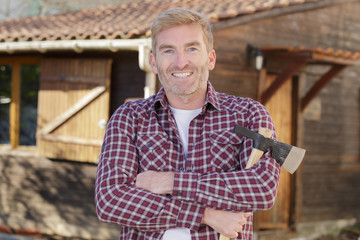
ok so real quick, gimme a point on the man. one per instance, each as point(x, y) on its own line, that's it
point(170, 166)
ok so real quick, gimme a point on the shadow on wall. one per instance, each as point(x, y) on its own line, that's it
point(51, 197)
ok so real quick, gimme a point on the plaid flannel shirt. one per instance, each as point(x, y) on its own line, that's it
point(142, 135)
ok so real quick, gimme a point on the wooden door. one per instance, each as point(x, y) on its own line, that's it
point(280, 108)
point(73, 108)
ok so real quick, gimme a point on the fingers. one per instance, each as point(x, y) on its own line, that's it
point(227, 223)
point(246, 215)
point(243, 218)
point(241, 222)
point(229, 235)
point(239, 226)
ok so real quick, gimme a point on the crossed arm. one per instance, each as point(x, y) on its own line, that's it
point(142, 200)
point(225, 222)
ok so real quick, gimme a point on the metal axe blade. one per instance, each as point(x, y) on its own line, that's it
point(285, 155)
point(294, 158)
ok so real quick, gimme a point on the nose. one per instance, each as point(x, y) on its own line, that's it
point(181, 60)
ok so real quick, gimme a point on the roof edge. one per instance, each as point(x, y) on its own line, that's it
point(242, 19)
point(76, 45)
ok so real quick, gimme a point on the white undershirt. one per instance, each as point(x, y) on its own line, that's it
point(183, 119)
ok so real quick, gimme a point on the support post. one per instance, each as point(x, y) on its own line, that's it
point(15, 105)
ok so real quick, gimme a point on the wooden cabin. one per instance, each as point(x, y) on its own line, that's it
point(299, 58)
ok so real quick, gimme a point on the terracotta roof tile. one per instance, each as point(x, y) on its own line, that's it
point(327, 54)
point(128, 20)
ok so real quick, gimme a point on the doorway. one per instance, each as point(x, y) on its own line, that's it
point(281, 108)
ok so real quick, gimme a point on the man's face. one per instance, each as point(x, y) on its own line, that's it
point(182, 61)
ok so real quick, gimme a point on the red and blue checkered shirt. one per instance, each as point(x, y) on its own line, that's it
point(142, 135)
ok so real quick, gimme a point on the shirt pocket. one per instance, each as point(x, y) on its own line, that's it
point(225, 149)
point(153, 151)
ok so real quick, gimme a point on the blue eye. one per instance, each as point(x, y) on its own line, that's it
point(168, 51)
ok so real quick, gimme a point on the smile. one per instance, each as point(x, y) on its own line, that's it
point(182, 75)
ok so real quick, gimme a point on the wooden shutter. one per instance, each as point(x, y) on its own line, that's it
point(73, 108)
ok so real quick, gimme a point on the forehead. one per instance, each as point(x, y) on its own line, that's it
point(180, 35)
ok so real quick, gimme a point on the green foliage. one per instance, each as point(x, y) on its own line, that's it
point(5, 80)
point(29, 84)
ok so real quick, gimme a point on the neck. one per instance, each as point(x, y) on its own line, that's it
point(187, 102)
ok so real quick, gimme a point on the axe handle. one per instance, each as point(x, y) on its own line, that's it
point(255, 156)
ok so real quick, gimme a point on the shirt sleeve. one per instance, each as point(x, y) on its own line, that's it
point(119, 201)
point(245, 190)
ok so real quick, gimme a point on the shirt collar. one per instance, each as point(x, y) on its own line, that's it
point(211, 98)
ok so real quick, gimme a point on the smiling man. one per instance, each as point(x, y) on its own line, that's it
point(170, 166)
point(182, 61)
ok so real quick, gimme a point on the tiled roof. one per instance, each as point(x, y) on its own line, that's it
point(129, 20)
point(318, 54)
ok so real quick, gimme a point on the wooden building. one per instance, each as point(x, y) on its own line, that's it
point(92, 61)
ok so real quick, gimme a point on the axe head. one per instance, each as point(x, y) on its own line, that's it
point(287, 156)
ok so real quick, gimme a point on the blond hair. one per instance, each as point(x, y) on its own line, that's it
point(180, 16)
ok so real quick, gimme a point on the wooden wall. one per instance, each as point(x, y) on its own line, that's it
point(330, 175)
point(127, 81)
point(73, 99)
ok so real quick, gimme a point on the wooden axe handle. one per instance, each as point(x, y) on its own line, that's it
point(255, 156)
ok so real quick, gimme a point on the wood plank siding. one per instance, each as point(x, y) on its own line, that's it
point(327, 184)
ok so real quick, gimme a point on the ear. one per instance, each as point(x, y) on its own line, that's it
point(212, 60)
point(153, 63)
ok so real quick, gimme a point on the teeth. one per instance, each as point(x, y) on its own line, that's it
point(181, 75)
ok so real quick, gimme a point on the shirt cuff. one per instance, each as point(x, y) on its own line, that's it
point(188, 214)
point(185, 186)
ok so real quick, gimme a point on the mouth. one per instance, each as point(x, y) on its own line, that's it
point(182, 74)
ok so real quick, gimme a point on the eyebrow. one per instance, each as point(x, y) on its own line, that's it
point(193, 43)
point(166, 46)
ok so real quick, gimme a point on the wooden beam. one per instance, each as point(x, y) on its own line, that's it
point(287, 73)
point(15, 105)
point(261, 83)
point(72, 140)
point(321, 83)
point(21, 60)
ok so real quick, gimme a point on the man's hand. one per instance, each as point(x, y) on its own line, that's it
point(156, 182)
point(225, 222)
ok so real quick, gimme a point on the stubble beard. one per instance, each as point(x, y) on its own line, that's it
point(180, 90)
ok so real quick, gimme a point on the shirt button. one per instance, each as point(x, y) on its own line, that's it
point(182, 169)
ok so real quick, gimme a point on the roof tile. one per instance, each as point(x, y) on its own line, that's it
point(127, 20)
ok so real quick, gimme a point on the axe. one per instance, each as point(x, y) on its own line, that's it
point(284, 154)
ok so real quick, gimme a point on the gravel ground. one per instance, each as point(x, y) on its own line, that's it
point(351, 233)
point(15, 237)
